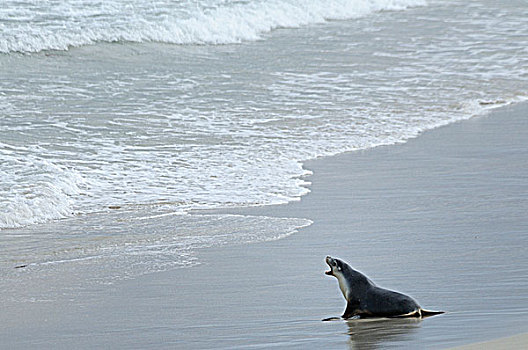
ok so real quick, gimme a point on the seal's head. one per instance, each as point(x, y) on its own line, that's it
point(340, 270)
point(336, 266)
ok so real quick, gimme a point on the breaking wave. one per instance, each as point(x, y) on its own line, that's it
point(66, 24)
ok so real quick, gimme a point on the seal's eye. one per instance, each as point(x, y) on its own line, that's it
point(334, 263)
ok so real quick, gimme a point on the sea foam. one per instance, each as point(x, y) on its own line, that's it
point(32, 28)
point(44, 192)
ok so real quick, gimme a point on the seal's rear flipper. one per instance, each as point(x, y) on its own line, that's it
point(428, 313)
point(331, 319)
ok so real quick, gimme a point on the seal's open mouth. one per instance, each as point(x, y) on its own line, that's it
point(329, 262)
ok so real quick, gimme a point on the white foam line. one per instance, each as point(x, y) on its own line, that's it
point(231, 22)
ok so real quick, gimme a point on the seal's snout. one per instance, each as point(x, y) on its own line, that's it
point(329, 261)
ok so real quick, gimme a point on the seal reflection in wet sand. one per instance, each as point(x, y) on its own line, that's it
point(365, 299)
point(373, 333)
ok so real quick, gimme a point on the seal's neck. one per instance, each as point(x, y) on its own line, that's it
point(343, 284)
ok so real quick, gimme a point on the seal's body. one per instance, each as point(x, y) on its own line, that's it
point(365, 299)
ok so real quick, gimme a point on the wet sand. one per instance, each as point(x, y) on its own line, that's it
point(441, 218)
point(519, 341)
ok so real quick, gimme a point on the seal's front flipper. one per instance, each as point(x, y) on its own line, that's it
point(351, 309)
point(331, 319)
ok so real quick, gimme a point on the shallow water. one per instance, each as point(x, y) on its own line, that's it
point(105, 118)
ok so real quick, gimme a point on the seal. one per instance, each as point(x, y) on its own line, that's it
point(365, 299)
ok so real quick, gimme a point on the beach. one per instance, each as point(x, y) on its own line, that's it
point(514, 342)
point(441, 218)
point(173, 176)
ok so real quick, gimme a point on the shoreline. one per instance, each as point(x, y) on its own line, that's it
point(440, 217)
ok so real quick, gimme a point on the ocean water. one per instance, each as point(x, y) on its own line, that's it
point(120, 119)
